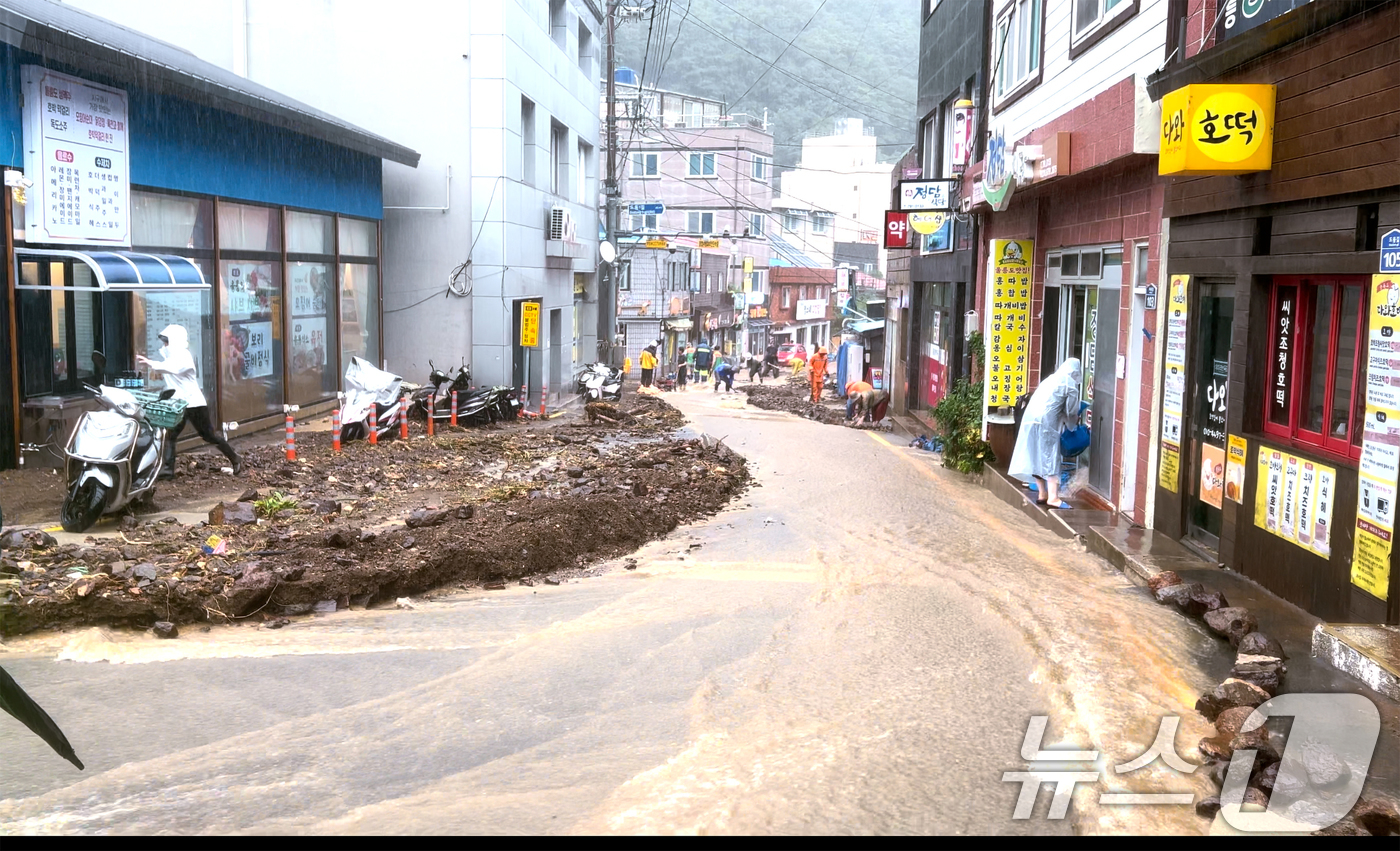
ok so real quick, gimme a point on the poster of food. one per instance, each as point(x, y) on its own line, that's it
point(1009, 337)
point(1293, 499)
point(1212, 475)
point(310, 295)
point(1234, 468)
point(249, 291)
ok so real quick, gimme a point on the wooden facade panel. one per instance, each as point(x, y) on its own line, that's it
point(1340, 183)
point(1331, 138)
point(1389, 216)
point(1341, 217)
point(1361, 34)
point(1352, 88)
point(1213, 248)
point(1316, 241)
point(1380, 103)
point(1345, 67)
point(1210, 227)
point(1346, 159)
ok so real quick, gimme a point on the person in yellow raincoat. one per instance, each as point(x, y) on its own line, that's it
point(816, 371)
point(648, 364)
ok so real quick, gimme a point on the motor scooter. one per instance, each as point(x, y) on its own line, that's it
point(366, 389)
point(600, 383)
point(435, 398)
point(114, 456)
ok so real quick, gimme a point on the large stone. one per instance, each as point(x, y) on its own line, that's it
point(1199, 601)
point(1377, 817)
point(1229, 722)
point(1216, 748)
point(466, 511)
point(1267, 675)
point(1165, 579)
point(165, 629)
point(1256, 740)
point(1231, 622)
point(233, 514)
point(1208, 807)
point(145, 570)
point(427, 517)
point(324, 506)
point(1259, 644)
point(1176, 594)
point(324, 607)
point(1229, 694)
point(1266, 776)
point(1323, 768)
point(342, 538)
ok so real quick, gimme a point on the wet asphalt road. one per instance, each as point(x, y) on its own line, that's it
point(856, 646)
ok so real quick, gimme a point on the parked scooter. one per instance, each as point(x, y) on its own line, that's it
point(366, 389)
point(114, 456)
point(436, 396)
point(600, 383)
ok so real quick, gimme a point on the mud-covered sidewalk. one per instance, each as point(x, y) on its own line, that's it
point(479, 506)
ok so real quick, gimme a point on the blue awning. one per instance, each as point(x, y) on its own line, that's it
point(121, 271)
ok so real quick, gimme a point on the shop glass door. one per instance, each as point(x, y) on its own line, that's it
point(1210, 392)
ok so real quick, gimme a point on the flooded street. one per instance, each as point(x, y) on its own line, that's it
point(856, 645)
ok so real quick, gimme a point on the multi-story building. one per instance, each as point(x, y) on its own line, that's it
point(500, 98)
point(710, 176)
point(807, 233)
point(1072, 215)
point(1276, 450)
point(840, 178)
point(801, 308)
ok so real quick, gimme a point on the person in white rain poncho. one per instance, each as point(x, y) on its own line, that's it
point(177, 368)
point(1053, 407)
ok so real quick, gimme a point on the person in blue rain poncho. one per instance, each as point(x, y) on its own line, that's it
point(1053, 407)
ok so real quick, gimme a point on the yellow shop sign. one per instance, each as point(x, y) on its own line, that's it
point(1217, 129)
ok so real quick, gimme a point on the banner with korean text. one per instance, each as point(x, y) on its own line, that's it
point(1173, 383)
point(1379, 469)
point(1293, 499)
point(1008, 343)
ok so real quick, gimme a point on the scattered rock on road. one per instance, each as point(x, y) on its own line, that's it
point(233, 514)
point(1230, 693)
point(165, 629)
point(1231, 622)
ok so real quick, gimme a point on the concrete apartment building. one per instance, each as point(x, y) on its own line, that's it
point(709, 249)
point(840, 176)
point(500, 99)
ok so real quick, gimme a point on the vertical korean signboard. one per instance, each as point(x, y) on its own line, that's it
point(1380, 442)
point(1173, 383)
point(530, 324)
point(75, 151)
point(1009, 341)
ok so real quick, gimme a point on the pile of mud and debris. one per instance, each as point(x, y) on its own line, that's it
point(373, 523)
point(795, 397)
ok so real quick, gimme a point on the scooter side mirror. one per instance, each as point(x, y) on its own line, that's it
point(167, 393)
point(99, 364)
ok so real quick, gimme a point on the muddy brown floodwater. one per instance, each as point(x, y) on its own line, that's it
point(465, 507)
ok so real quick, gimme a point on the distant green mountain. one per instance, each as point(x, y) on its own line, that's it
point(853, 60)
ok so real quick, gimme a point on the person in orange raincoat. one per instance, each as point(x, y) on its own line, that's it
point(816, 371)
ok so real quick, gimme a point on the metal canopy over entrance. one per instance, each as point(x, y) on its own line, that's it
point(121, 271)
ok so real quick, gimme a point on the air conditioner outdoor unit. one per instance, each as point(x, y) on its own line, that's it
point(561, 224)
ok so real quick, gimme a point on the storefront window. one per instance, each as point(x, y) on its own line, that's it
point(359, 238)
point(309, 233)
point(312, 376)
point(152, 312)
point(59, 329)
point(243, 227)
point(250, 333)
point(359, 311)
point(171, 221)
point(1316, 370)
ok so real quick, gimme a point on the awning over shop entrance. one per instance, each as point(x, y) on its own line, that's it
point(679, 324)
point(120, 271)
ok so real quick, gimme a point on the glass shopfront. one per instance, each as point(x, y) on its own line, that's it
point(270, 331)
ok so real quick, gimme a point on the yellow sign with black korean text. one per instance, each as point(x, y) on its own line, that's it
point(656, 242)
point(1169, 468)
point(706, 243)
point(1008, 344)
point(1235, 461)
point(1217, 129)
point(1379, 468)
point(530, 324)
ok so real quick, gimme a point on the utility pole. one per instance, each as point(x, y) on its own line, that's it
point(607, 294)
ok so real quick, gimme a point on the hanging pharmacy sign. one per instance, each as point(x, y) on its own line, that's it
point(1217, 129)
point(75, 151)
point(1379, 468)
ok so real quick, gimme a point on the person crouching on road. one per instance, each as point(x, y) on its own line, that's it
point(755, 368)
point(1054, 406)
point(868, 405)
point(816, 372)
point(648, 364)
point(178, 371)
point(724, 373)
point(854, 389)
